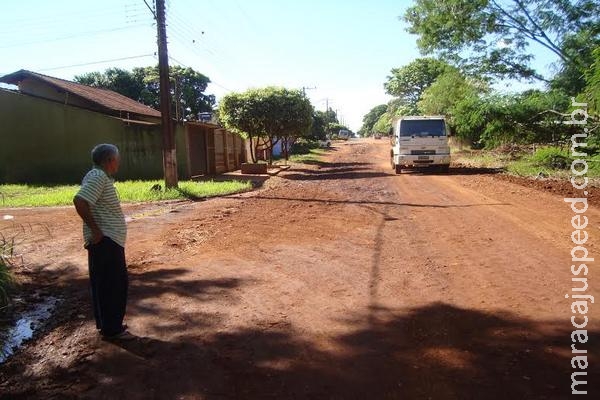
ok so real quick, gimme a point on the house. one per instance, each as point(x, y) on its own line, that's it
point(81, 96)
point(50, 125)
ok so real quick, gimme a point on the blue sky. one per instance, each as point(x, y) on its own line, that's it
point(342, 50)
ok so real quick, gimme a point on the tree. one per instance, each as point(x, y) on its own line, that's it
point(384, 123)
point(127, 83)
point(318, 129)
point(333, 128)
point(592, 78)
point(328, 116)
point(409, 81)
point(266, 115)
point(447, 91)
point(492, 36)
point(399, 107)
point(142, 84)
point(528, 117)
point(571, 78)
point(371, 118)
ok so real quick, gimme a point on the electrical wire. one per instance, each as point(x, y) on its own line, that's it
point(96, 62)
point(78, 35)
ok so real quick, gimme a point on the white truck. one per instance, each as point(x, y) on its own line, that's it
point(420, 142)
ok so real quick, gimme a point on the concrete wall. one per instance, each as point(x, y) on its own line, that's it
point(46, 142)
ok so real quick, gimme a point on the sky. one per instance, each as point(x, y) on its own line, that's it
point(339, 51)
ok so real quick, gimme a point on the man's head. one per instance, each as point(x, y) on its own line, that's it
point(106, 156)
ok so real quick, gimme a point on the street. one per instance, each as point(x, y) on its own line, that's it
point(336, 279)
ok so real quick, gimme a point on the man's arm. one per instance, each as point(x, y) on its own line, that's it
point(84, 211)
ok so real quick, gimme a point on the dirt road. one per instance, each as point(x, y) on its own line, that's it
point(336, 280)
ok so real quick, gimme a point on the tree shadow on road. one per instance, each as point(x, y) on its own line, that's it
point(149, 293)
point(335, 175)
point(374, 202)
point(454, 170)
point(333, 170)
point(328, 164)
point(437, 351)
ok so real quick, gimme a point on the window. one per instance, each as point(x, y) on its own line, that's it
point(422, 127)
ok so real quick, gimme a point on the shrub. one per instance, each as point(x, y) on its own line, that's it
point(303, 146)
point(552, 157)
point(6, 251)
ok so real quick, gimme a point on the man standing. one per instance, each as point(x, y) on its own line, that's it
point(104, 232)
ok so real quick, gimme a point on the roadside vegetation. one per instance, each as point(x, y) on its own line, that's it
point(129, 192)
point(528, 160)
point(308, 155)
point(475, 53)
point(5, 274)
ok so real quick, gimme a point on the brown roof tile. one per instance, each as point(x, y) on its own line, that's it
point(103, 97)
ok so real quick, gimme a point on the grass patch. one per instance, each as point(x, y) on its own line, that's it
point(313, 155)
point(6, 280)
point(5, 283)
point(129, 192)
point(550, 161)
point(479, 159)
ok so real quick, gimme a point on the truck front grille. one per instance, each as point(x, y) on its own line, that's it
point(422, 152)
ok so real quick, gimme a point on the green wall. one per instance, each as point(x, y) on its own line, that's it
point(46, 142)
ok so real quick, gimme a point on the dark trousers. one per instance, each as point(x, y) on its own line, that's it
point(109, 281)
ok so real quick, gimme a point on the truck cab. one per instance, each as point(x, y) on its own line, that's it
point(420, 142)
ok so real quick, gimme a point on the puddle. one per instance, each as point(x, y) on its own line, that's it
point(25, 327)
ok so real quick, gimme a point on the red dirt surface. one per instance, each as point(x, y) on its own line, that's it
point(335, 280)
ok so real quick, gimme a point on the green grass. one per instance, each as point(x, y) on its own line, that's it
point(5, 282)
point(6, 251)
point(551, 161)
point(479, 159)
point(129, 191)
point(312, 156)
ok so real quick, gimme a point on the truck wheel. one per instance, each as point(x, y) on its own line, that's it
point(398, 169)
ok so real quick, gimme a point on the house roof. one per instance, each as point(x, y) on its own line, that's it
point(105, 98)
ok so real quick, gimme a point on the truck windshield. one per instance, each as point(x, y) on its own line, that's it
point(422, 127)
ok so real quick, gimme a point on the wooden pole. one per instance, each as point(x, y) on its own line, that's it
point(169, 151)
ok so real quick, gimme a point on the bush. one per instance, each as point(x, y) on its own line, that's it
point(552, 157)
point(303, 146)
point(6, 250)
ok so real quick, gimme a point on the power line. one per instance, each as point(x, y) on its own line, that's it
point(211, 81)
point(84, 34)
point(151, 9)
point(97, 62)
point(66, 23)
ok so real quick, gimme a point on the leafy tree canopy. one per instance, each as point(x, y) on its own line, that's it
point(593, 82)
point(142, 84)
point(409, 82)
point(318, 129)
point(268, 113)
point(580, 45)
point(371, 118)
point(528, 117)
point(493, 36)
point(383, 124)
point(447, 90)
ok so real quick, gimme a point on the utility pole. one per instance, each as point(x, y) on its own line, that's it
point(169, 152)
point(304, 89)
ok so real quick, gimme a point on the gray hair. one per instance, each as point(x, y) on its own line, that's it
point(103, 153)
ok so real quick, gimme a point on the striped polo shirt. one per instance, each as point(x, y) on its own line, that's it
point(98, 189)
